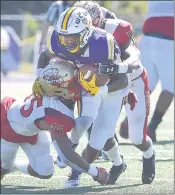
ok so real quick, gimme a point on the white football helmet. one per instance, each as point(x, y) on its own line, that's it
point(60, 78)
point(93, 9)
point(75, 22)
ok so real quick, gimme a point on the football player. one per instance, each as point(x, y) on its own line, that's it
point(26, 123)
point(76, 40)
point(157, 54)
point(137, 118)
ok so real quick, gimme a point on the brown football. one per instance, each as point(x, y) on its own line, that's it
point(89, 70)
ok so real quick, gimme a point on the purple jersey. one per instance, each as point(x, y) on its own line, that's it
point(101, 47)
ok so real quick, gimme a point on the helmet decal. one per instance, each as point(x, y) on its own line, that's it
point(66, 18)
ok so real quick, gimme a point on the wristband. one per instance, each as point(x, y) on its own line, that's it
point(93, 171)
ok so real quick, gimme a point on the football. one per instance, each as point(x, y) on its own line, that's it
point(89, 70)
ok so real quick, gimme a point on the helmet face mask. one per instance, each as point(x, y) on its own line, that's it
point(74, 28)
point(56, 80)
point(71, 42)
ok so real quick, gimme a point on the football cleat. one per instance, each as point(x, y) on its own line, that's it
point(116, 171)
point(148, 173)
point(73, 179)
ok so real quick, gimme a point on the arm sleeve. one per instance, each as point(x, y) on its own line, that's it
point(59, 122)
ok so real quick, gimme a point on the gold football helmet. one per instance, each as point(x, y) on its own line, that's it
point(60, 78)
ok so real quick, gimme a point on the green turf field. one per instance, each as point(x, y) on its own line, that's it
point(128, 183)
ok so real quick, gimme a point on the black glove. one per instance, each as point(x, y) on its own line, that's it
point(108, 68)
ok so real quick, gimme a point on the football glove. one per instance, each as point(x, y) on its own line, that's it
point(108, 68)
point(102, 177)
point(36, 89)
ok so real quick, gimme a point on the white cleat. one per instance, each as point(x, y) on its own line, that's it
point(73, 179)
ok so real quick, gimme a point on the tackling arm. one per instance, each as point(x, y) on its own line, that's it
point(74, 160)
point(60, 139)
point(117, 65)
point(62, 144)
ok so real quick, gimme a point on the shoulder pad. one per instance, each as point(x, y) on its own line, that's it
point(121, 30)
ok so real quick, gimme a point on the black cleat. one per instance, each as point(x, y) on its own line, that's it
point(116, 171)
point(73, 180)
point(148, 173)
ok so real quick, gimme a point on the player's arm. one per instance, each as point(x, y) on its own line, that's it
point(129, 52)
point(116, 65)
point(59, 124)
point(44, 58)
point(75, 161)
point(124, 37)
point(43, 61)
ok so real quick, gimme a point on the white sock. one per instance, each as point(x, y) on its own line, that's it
point(148, 154)
point(114, 155)
point(21, 166)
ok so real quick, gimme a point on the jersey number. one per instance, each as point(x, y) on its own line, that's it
point(28, 111)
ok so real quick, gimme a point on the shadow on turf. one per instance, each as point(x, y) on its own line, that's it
point(7, 189)
point(155, 143)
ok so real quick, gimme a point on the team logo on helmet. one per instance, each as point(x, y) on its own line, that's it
point(51, 76)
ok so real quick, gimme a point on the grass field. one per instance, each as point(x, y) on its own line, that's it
point(128, 183)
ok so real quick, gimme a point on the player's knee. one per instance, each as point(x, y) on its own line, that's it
point(45, 166)
point(136, 140)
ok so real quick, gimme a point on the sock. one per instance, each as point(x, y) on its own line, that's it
point(114, 155)
point(21, 166)
point(156, 120)
point(148, 154)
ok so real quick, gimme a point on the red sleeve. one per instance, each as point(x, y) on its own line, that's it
point(123, 33)
point(59, 121)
